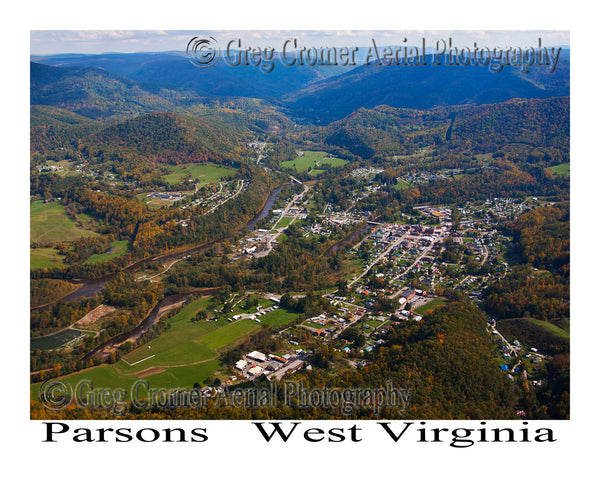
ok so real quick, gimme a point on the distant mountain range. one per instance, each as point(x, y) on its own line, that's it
point(423, 87)
point(116, 86)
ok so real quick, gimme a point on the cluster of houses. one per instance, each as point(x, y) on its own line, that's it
point(365, 172)
point(419, 177)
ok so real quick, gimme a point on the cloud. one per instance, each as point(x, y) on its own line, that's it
point(45, 42)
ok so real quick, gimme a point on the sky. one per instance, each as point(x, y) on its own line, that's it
point(50, 42)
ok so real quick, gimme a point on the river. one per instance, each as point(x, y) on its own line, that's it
point(92, 287)
point(165, 305)
point(351, 238)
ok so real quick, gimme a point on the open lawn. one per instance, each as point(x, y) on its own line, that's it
point(310, 324)
point(50, 223)
point(430, 305)
point(284, 222)
point(117, 248)
point(564, 169)
point(375, 323)
point(401, 185)
point(312, 160)
point(278, 318)
point(334, 162)
point(204, 172)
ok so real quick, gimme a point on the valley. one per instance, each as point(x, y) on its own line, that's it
point(332, 230)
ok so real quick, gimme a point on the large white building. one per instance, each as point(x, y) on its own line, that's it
point(241, 364)
point(255, 370)
point(257, 356)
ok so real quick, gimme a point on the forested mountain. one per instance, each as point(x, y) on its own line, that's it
point(535, 123)
point(98, 94)
point(514, 125)
point(173, 138)
point(540, 288)
point(47, 115)
point(52, 128)
point(422, 87)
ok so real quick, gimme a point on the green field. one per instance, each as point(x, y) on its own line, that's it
point(310, 324)
point(546, 336)
point(284, 222)
point(430, 305)
point(45, 258)
point(564, 169)
point(401, 185)
point(375, 323)
point(107, 376)
point(117, 248)
point(50, 223)
point(188, 342)
point(312, 160)
point(549, 327)
point(205, 173)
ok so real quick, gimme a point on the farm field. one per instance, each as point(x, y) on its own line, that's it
point(50, 223)
point(312, 160)
point(205, 173)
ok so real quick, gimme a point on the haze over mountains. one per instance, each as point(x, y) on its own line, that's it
point(112, 86)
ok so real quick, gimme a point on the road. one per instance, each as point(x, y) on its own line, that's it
point(511, 347)
point(390, 247)
point(161, 273)
point(284, 213)
point(424, 252)
point(240, 186)
point(486, 253)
